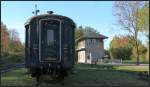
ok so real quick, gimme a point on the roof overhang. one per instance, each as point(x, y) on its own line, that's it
point(83, 38)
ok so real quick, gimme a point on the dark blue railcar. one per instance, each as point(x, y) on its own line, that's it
point(49, 45)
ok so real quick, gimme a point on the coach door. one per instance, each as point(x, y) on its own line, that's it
point(49, 40)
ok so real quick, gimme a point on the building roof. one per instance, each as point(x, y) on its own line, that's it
point(91, 35)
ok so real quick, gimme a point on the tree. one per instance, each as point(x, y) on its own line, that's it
point(79, 32)
point(142, 52)
point(120, 47)
point(15, 44)
point(143, 18)
point(4, 38)
point(90, 29)
point(12, 50)
point(143, 23)
point(127, 13)
point(13, 35)
point(147, 53)
point(107, 54)
point(123, 47)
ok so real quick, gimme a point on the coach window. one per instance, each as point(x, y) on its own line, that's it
point(50, 37)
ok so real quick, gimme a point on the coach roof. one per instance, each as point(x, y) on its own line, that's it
point(60, 17)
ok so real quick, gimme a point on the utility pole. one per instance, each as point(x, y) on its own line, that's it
point(36, 10)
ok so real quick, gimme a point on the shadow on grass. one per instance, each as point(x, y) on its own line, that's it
point(144, 75)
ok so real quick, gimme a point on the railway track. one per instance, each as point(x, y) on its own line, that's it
point(10, 67)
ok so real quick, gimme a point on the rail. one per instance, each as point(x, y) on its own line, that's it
point(10, 67)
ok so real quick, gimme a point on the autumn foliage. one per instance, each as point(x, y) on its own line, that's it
point(122, 47)
point(4, 38)
point(12, 49)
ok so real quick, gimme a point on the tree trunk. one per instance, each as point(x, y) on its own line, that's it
point(138, 60)
point(137, 45)
point(137, 49)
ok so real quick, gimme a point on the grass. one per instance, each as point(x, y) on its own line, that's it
point(17, 77)
point(85, 75)
point(133, 68)
point(135, 61)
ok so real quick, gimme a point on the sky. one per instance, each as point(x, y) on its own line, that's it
point(96, 14)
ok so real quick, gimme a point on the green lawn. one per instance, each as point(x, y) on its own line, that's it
point(84, 75)
point(135, 61)
point(17, 77)
point(133, 68)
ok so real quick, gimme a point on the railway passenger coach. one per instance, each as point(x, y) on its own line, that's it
point(49, 45)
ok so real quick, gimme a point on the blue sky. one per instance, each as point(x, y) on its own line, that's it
point(96, 14)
